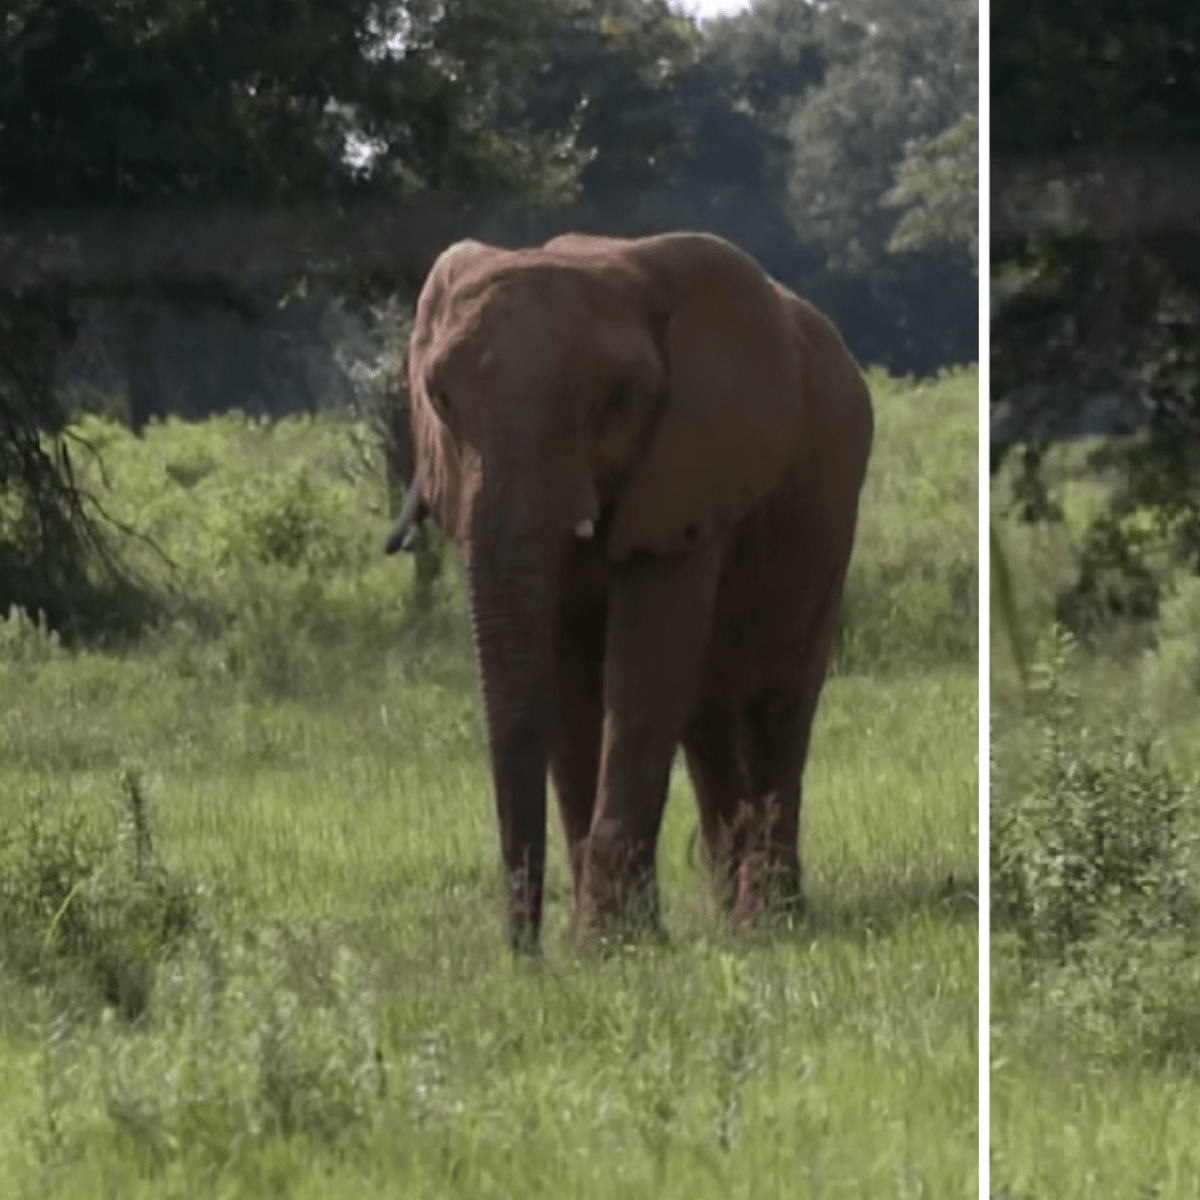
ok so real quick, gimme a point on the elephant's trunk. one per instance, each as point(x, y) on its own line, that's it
point(510, 581)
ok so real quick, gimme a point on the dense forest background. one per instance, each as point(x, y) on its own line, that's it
point(209, 205)
point(1095, 263)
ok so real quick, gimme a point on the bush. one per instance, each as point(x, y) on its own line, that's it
point(912, 594)
point(1095, 840)
point(213, 1040)
point(1118, 582)
point(904, 615)
point(265, 540)
point(290, 519)
point(92, 906)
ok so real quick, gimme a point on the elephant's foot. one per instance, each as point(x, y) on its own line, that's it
point(623, 912)
point(617, 898)
point(767, 889)
point(524, 913)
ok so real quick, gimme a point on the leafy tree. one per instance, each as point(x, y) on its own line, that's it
point(1096, 326)
point(205, 155)
point(184, 105)
point(897, 76)
point(938, 183)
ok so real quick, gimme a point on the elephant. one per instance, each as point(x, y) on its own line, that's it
point(650, 454)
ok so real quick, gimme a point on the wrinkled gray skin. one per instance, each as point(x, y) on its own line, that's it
point(651, 455)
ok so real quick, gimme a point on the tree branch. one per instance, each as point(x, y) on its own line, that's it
point(1105, 194)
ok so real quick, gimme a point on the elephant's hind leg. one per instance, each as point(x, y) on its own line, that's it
point(719, 779)
point(774, 731)
point(776, 725)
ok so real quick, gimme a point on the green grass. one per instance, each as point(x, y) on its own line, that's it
point(1094, 1084)
point(342, 1015)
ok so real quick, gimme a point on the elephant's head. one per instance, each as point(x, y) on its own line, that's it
point(646, 393)
point(656, 383)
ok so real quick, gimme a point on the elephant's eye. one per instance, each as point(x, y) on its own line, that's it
point(440, 402)
point(618, 398)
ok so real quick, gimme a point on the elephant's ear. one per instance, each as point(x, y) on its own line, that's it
point(436, 454)
point(734, 408)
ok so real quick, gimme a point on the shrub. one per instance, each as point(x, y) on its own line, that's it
point(78, 903)
point(1131, 997)
point(904, 615)
point(1095, 839)
point(290, 519)
point(1118, 578)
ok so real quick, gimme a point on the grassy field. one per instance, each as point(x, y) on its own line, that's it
point(1095, 1046)
point(251, 936)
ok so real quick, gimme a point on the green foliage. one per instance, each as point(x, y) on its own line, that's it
point(938, 182)
point(306, 929)
point(1171, 669)
point(1092, 74)
point(289, 521)
point(1093, 1082)
point(266, 1037)
point(1098, 312)
point(1082, 551)
point(912, 596)
point(347, 975)
point(896, 77)
point(1093, 837)
point(1117, 581)
point(264, 541)
point(1095, 863)
point(201, 102)
point(27, 642)
point(84, 904)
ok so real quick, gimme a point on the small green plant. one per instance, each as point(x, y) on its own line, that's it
point(1096, 837)
point(82, 904)
point(287, 522)
point(27, 642)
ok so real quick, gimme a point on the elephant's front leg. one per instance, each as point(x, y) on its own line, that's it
point(659, 621)
point(578, 712)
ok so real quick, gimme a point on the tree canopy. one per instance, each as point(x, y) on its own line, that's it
point(171, 162)
point(1096, 262)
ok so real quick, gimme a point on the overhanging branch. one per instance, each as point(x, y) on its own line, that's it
point(228, 243)
point(238, 244)
point(1104, 194)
